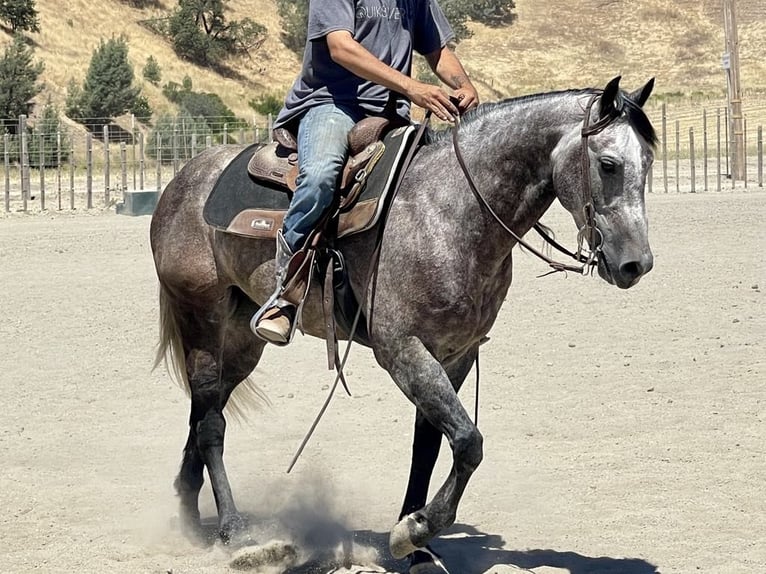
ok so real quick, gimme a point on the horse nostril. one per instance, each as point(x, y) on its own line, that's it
point(631, 269)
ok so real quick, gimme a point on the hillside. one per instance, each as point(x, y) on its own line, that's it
point(552, 45)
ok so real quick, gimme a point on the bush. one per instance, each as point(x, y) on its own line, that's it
point(152, 72)
point(267, 104)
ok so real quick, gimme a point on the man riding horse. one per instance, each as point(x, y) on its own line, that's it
point(357, 62)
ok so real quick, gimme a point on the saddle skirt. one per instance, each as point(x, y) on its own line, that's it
point(254, 204)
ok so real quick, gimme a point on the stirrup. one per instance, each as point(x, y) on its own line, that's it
point(275, 325)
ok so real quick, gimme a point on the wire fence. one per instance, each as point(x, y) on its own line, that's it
point(67, 168)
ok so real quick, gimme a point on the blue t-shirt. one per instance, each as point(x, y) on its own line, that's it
point(389, 29)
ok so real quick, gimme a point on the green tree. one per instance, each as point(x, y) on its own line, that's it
point(108, 89)
point(21, 15)
point(267, 104)
point(295, 17)
point(152, 72)
point(200, 33)
point(18, 79)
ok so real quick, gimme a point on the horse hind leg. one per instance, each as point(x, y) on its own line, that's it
point(219, 354)
point(427, 385)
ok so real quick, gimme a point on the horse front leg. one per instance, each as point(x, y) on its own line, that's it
point(425, 451)
point(423, 380)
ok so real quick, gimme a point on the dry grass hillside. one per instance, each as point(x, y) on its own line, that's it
point(552, 45)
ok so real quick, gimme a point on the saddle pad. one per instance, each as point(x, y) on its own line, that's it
point(242, 205)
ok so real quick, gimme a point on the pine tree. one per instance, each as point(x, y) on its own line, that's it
point(18, 79)
point(108, 87)
point(21, 15)
point(152, 72)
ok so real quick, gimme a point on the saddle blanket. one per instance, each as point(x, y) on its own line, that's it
point(242, 205)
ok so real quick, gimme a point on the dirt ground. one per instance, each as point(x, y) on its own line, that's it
point(624, 430)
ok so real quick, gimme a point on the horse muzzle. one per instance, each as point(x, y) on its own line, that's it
point(626, 270)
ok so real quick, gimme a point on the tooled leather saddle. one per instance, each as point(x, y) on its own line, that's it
point(252, 195)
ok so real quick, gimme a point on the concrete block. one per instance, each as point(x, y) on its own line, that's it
point(138, 203)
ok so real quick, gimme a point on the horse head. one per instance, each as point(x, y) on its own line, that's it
point(600, 170)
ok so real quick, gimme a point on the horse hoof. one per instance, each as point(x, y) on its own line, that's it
point(233, 531)
point(408, 535)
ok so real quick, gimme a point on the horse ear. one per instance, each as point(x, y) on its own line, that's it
point(641, 95)
point(610, 104)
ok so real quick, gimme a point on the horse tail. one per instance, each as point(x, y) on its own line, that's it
point(170, 348)
point(247, 396)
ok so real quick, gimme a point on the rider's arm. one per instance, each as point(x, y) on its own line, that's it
point(347, 52)
point(448, 68)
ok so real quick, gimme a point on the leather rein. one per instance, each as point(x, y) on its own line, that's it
point(586, 256)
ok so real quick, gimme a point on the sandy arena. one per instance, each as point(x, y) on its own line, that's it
point(624, 430)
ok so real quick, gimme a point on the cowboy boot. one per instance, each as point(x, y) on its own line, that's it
point(274, 321)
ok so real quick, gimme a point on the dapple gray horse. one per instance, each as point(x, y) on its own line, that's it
point(445, 267)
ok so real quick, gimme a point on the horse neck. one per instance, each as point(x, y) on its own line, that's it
point(509, 149)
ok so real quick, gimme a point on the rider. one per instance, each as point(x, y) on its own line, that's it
point(358, 56)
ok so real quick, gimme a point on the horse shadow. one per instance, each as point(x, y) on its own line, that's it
point(464, 549)
point(468, 550)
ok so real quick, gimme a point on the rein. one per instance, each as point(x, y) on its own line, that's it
point(588, 257)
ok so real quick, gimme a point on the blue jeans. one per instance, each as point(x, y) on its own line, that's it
point(322, 148)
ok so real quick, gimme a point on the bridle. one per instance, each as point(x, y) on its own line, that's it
point(589, 233)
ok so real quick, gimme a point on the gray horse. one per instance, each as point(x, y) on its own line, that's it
point(445, 267)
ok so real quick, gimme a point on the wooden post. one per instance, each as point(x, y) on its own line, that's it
point(718, 149)
point(208, 142)
point(89, 171)
point(106, 166)
point(25, 187)
point(271, 128)
point(133, 146)
point(58, 168)
point(678, 155)
point(241, 135)
point(225, 134)
point(175, 149)
point(731, 66)
point(124, 167)
point(704, 149)
point(41, 159)
point(141, 161)
point(194, 144)
point(664, 148)
point(726, 140)
point(71, 176)
point(760, 156)
point(744, 151)
point(692, 164)
point(159, 161)
point(7, 165)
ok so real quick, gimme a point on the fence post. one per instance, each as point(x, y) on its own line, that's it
point(664, 148)
point(691, 161)
point(89, 170)
point(71, 176)
point(718, 149)
point(58, 168)
point(25, 187)
point(271, 128)
point(760, 156)
point(175, 149)
point(141, 161)
point(726, 139)
point(106, 166)
point(208, 142)
point(7, 164)
point(133, 146)
point(41, 157)
point(744, 149)
point(704, 149)
point(194, 144)
point(678, 154)
point(241, 135)
point(225, 134)
point(124, 167)
point(159, 161)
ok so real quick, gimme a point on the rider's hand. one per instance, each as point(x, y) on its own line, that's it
point(432, 98)
point(468, 96)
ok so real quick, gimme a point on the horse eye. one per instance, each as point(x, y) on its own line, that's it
point(608, 166)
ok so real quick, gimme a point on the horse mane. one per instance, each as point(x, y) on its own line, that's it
point(630, 109)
